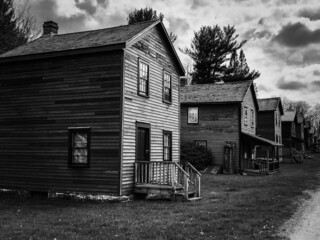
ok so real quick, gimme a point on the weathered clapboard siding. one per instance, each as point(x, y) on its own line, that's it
point(39, 100)
point(152, 110)
point(218, 123)
point(249, 102)
point(266, 125)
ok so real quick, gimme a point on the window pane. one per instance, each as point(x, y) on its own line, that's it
point(166, 140)
point(79, 139)
point(80, 155)
point(166, 154)
point(193, 115)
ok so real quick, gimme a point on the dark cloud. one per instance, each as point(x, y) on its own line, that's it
point(48, 10)
point(312, 14)
point(198, 3)
point(87, 6)
point(316, 84)
point(290, 85)
point(312, 56)
point(103, 3)
point(297, 35)
point(316, 73)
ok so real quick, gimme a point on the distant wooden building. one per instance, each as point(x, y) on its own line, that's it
point(300, 139)
point(269, 123)
point(223, 117)
point(79, 110)
point(289, 137)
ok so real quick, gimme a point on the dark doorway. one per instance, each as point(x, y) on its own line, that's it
point(143, 142)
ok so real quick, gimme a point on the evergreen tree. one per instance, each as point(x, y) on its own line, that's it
point(238, 69)
point(17, 26)
point(215, 56)
point(147, 14)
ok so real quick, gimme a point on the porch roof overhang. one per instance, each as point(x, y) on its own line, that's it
point(261, 140)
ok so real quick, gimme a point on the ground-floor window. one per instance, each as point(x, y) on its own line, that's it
point(79, 147)
point(167, 146)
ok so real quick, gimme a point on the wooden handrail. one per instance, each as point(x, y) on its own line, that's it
point(182, 170)
point(194, 169)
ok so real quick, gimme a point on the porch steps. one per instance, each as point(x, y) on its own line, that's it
point(193, 199)
point(179, 181)
point(254, 172)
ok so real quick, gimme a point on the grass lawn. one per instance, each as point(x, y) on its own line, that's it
point(233, 207)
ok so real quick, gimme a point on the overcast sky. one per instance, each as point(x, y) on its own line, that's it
point(283, 35)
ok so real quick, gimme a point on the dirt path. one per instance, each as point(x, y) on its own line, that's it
point(305, 223)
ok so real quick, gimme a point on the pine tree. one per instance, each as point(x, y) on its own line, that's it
point(147, 14)
point(17, 26)
point(214, 51)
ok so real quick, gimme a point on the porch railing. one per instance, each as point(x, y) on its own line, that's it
point(267, 165)
point(178, 176)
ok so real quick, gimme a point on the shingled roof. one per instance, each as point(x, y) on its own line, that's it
point(289, 116)
point(215, 93)
point(116, 37)
point(78, 40)
point(270, 104)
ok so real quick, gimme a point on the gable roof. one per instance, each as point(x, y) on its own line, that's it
point(270, 104)
point(116, 37)
point(215, 93)
point(288, 116)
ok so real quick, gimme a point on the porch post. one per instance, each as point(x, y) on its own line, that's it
point(268, 149)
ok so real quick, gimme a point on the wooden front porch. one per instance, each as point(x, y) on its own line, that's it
point(167, 178)
point(259, 166)
point(260, 155)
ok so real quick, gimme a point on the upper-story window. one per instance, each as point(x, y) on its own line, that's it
point(252, 118)
point(167, 95)
point(245, 115)
point(276, 118)
point(193, 115)
point(143, 84)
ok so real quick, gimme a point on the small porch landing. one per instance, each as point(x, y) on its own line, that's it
point(167, 179)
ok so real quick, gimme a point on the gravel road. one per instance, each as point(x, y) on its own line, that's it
point(305, 223)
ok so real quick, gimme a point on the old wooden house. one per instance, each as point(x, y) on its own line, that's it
point(269, 123)
point(223, 118)
point(94, 111)
point(289, 123)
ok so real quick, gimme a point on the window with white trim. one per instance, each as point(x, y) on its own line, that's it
point(245, 110)
point(167, 87)
point(193, 115)
point(143, 85)
point(167, 146)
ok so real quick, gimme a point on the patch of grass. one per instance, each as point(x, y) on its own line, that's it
point(233, 207)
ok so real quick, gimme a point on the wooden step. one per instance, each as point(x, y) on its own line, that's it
point(194, 199)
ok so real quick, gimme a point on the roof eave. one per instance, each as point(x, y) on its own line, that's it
point(63, 53)
point(184, 103)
